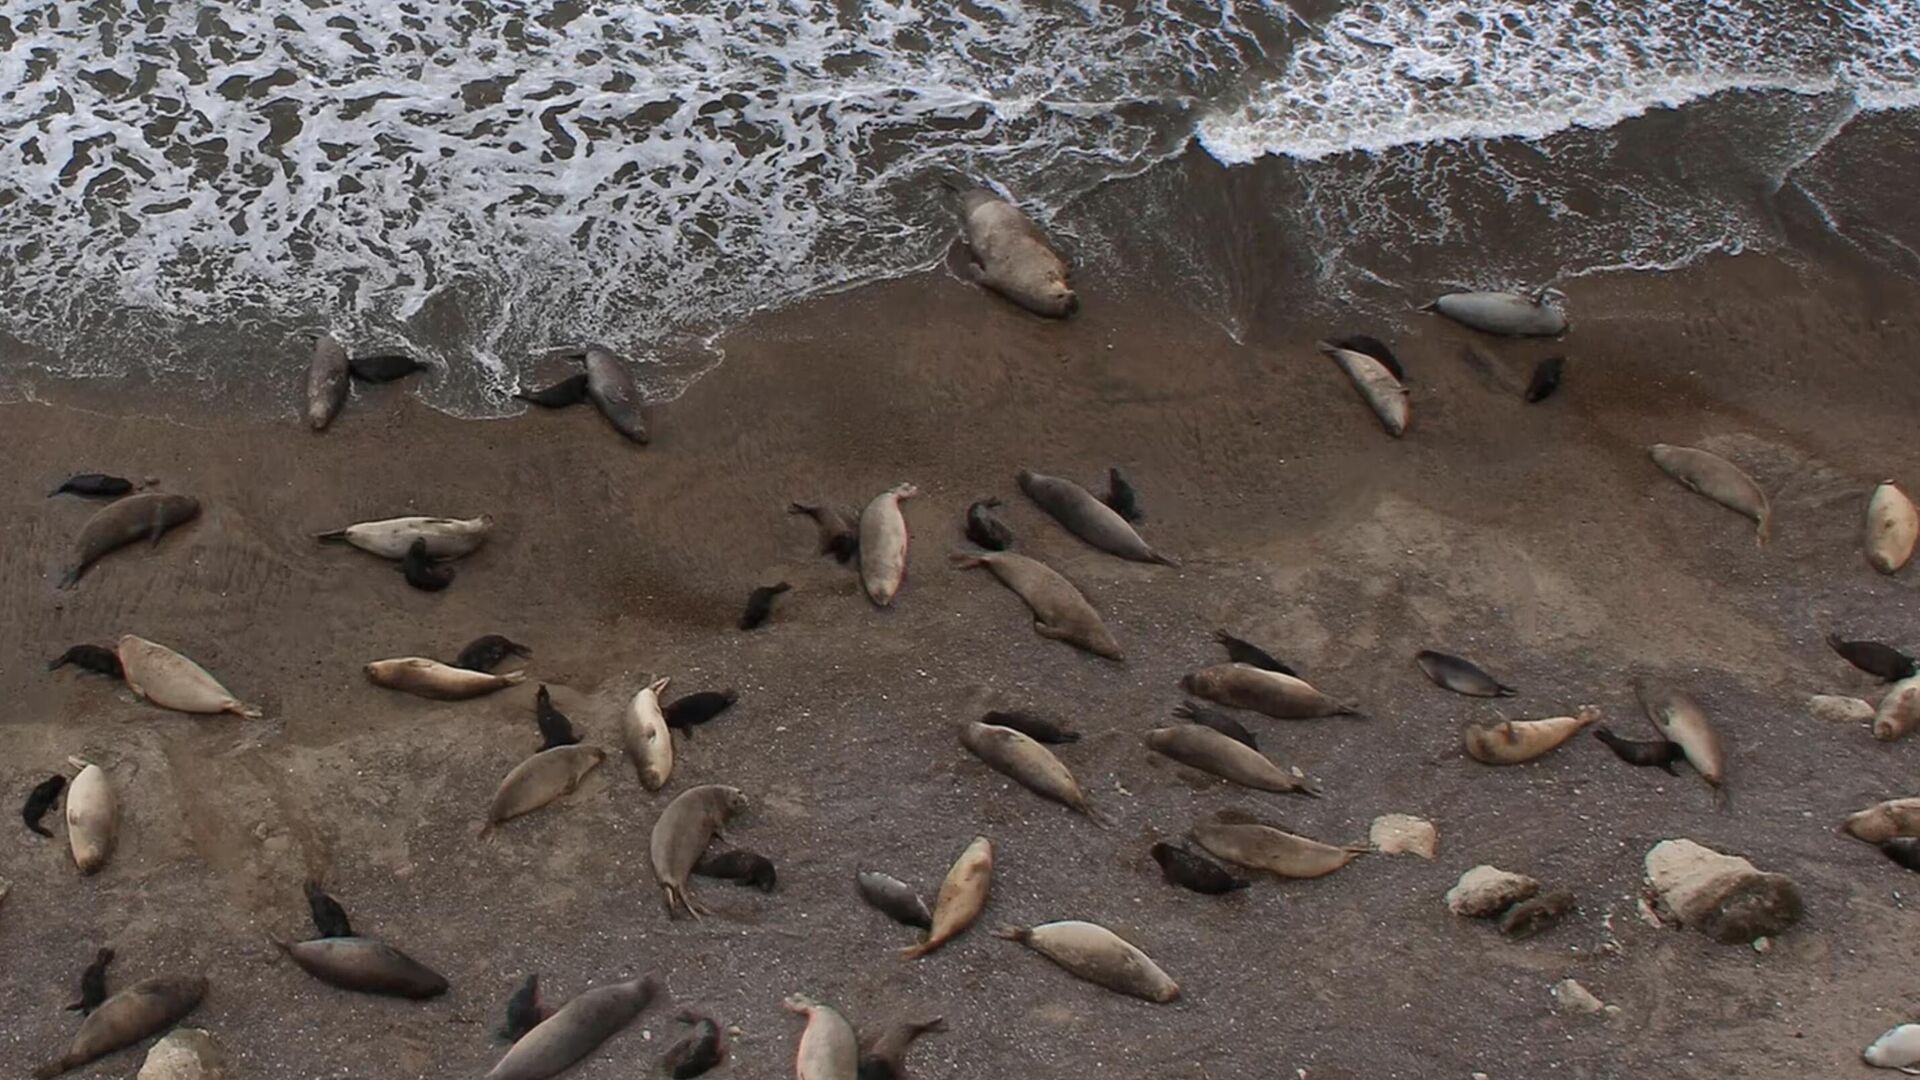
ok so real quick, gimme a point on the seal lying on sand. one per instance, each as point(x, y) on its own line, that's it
point(1718, 479)
point(1011, 256)
point(1503, 313)
point(828, 1049)
point(116, 525)
point(571, 390)
point(1892, 527)
point(146, 1008)
point(883, 544)
point(893, 898)
point(93, 984)
point(93, 483)
point(447, 538)
point(1094, 953)
point(1027, 762)
point(93, 818)
point(1282, 697)
point(540, 779)
point(172, 681)
point(1510, 742)
point(1460, 675)
point(366, 966)
point(963, 896)
point(327, 377)
point(886, 1056)
point(643, 730)
point(1059, 610)
point(839, 530)
point(1382, 392)
point(433, 679)
point(576, 1030)
point(1086, 517)
point(1200, 747)
point(683, 832)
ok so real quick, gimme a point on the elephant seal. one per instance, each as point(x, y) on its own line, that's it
point(643, 730)
point(40, 800)
point(686, 713)
point(1027, 762)
point(839, 530)
point(963, 896)
point(422, 572)
point(1218, 721)
point(385, 367)
point(1282, 697)
point(688, 824)
point(610, 384)
point(571, 390)
point(1718, 479)
point(148, 1007)
point(327, 377)
point(1511, 742)
point(525, 1010)
point(1092, 952)
point(364, 965)
point(93, 483)
point(1883, 662)
point(91, 657)
point(1086, 517)
point(1059, 609)
point(1460, 675)
point(1682, 720)
point(540, 779)
point(1263, 847)
point(1504, 313)
point(171, 681)
point(1904, 850)
point(1545, 380)
point(555, 729)
point(1383, 393)
point(1200, 747)
point(1038, 728)
point(893, 898)
point(485, 653)
point(114, 526)
point(698, 1051)
point(1245, 652)
point(329, 918)
point(1011, 256)
point(760, 605)
point(1369, 345)
point(828, 1049)
point(1121, 498)
point(1194, 872)
point(1883, 821)
point(447, 538)
point(1896, 1048)
point(1892, 527)
point(93, 818)
point(433, 679)
point(740, 866)
point(986, 530)
point(93, 983)
point(1652, 753)
point(576, 1030)
point(1899, 711)
point(886, 1056)
point(883, 544)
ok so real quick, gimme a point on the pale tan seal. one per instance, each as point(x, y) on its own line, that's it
point(1718, 479)
point(146, 1008)
point(442, 682)
point(1032, 765)
point(172, 681)
point(963, 896)
point(1092, 952)
point(1059, 609)
point(611, 386)
point(1503, 313)
point(542, 778)
point(1378, 388)
point(1899, 711)
point(1010, 255)
point(447, 538)
point(93, 818)
point(1209, 751)
point(1283, 697)
point(1682, 720)
point(883, 544)
point(1877, 824)
point(137, 517)
point(576, 1030)
point(828, 1048)
point(327, 380)
point(686, 827)
point(1263, 847)
point(643, 729)
point(1511, 742)
point(1892, 527)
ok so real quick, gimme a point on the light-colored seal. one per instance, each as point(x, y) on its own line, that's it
point(1682, 720)
point(1511, 742)
point(1381, 391)
point(1032, 765)
point(1283, 697)
point(146, 1008)
point(1059, 609)
point(542, 778)
point(93, 818)
point(447, 538)
point(366, 966)
point(963, 896)
point(1718, 479)
point(828, 1048)
point(1086, 517)
point(1092, 952)
point(1877, 824)
point(686, 827)
point(1209, 751)
point(1263, 847)
point(1503, 313)
point(1010, 255)
point(1892, 527)
point(643, 728)
point(576, 1030)
point(442, 682)
point(1896, 1048)
point(1899, 711)
point(883, 544)
point(327, 379)
point(172, 681)
point(610, 384)
point(117, 524)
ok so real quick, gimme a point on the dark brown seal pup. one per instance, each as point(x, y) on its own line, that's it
point(1538, 915)
point(1195, 872)
point(886, 1057)
point(1656, 753)
point(683, 832)
point(739, 866)
point(93, 483)
point(699, 1050)
point(116, 525)
point(146, 1008)
point(525, 1011)
point(365, 965)
point(1010, 255)
point(1060, 610)
point(1460, 675)
point(691, 710)
point(893, 898)
point(422, 572)
point(1121, 496)
point(1367, 345)
point(40, 800)
point(385, 367)
point(329, 918)
point(1883, 662)
point(576, 1030)
point(760, 605)
point(327, 378)
point(1245, 652)
point(90, 657)
point(1088, 518)
point(1904, 850)
point(555, 728)
point(839, 529)
point(1546, 379)
point(1217, 720)
point(1037, 728)
point(93, 984)
point(485, 653)
point(571, 390)
point(986, 530)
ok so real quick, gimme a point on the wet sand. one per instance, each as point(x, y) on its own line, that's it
point(1537, 539)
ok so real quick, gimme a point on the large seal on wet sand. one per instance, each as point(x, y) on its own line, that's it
point(610, 384)
point(116, 525)
point(1011, 256)
point(327, 378)
point(1503, 313)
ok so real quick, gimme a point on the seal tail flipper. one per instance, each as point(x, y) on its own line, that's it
point(1503, 690)
point(514, 678)
point(1429, 306)
point(337, 536)
point(71, 577)
point(1764, 528)
point(1013, 933)
point(244, 710)
point(54, 1068)
point(963, 560)
point(1306, 789)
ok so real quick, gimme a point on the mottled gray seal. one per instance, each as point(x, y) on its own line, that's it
point(686, 827)
point(1086, 517)
point(883, 544)
point(1718, 479)
point(1092, 952)
point(1011, 256)
point(148, 1007)
point(1503, 313)
point(963, 896)
point(886, 1056)
point(365, 966)
point(576, 1030)
point(1892, 527)
point(893, 898)
point(327, 377)
point(114, 526)
point(1059, 609)
point(1460, 675)
point(172, 681)
point(610, 384)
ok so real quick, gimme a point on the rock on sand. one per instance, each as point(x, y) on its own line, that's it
point(1486, 891)
point(1723, 896)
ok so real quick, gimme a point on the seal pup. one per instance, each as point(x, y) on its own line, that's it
point(1718, 479)
point(963, 896)
point(1896, 1048)
point(839, 530)
point(1060, 610)
point(699, 1050)
point(433, 679)
point(883, 544)
point(148, 1007)
point(1194, 872)
point(1092, 952)
point(40, 800)
point(114, 526)
point(93, 483)
point(542, 778)
point(1200, 747)
point(1383, 393)
point(447, 538)
point(1283, 697)
point(1028, 763)
point(385, 367)
point(1086, 517)
point(1194, 712)
point(886, 1056)
point(93, 818)
point(1884, 821)
point(576, 1030)
point(1883, 662)
point(93, 983)
point(329, 918)
point(90, 657)
point(986, 530)
point(1037, 728)
point(1682, 720)
point(485, 653)
point(686, 827)
point(893, 898)
point(571, 390)
point(327, 377)
point(1263, 847)
point(1546, 379)
point(167, 679)
point(1899, 711)
point(1655, 753)
point(643, 731)
point(760, 605)
point(1245, 652)
point(828, 1049)
point(1010, 255)
point(740, 866)
point(688, 711)
point(1504, 313)
point(525, 1010)
point(1121, 497)
point(1892, 527)
point(1904, 850)
point(1460, 675)
point(555, 729)
point(1368, 345)
point(422, 572)
point(365, 966)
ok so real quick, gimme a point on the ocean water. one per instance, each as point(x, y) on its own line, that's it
point(189, 191)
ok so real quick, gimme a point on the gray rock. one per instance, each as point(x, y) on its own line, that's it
point(185, 1054)
point(1723, 896)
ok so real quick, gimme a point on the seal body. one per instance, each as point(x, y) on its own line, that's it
point(1899, 711)
point(97, 484)
point(1218, 721)
point(1086, 517)
point(555, 729)
point(91, 657)
point(698, 1051)
point(93, 984)
point(1011, 256)
point(146, 1008)
point(686, 713)
point(366, 966)
point(1718, 479)
point(485, 653)
point(883, 544)
point(576, 1030)
point(1374, 347)
point(40, 800)
point(1280, 696)
point(739, 866)
point(610, 384)
point(828, 1049)
point(385, 367)
point(541, 779)
point(1383, 393)
point(760, 605)
point(893, 898)
point(1059, 609)
point(839, 530)
point(1654, 753)
point(1263, 847)
point(172, 681)
point(421, 571)
point(1511, 742)
point(1092, 952)
point(1884, 662)
point(1194, 872)
point(327, 376)
point(685, 828)
point(1245, 652)
point(1892, 526)
point(986, 530)
point(643, 729)
point(963, 896)
point(1897, 1048)
point(93, 818)
point(329, 918)
point(1121, 496)
point(571, 390)
point(1883, 821)
point(1203, 748)
point(1027, 762)
point(886, 1057)
point(1546, 379)
point(524, 1009)
point(1682, 720)
point(433, 679)
point(1037, 728)
point(1502, 313)
point(447, 538)
point(1460, 675)
point(114, 526)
